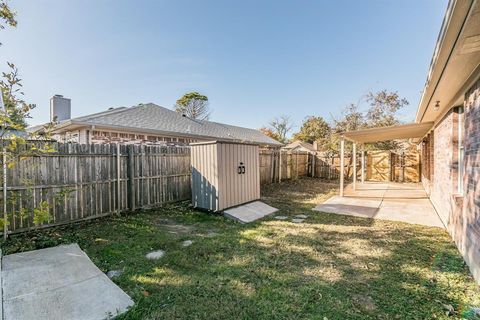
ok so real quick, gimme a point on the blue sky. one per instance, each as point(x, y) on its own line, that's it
point(253, 59)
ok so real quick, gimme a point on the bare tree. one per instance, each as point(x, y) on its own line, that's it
point(281, 126)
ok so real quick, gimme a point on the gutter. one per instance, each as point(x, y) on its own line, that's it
point(440, 43)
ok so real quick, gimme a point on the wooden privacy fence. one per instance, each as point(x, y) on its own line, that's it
point(79, 182)
point(391, 166)
point(297, 164)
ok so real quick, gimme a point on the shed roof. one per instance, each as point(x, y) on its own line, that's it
point(403, 131)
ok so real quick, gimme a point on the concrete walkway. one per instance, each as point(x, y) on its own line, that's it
point(58, 283)
point(405, 202)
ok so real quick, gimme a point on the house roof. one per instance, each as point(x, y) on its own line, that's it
point(455, 63)
point(151, 118)
point(300, 144)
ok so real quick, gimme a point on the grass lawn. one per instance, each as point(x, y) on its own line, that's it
point(329, 267)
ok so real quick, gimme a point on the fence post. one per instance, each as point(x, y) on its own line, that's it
point(272, 166)
point(296, 164)
point(280, 166)
point(314, 155)
point(5, 224)
point(342, 164)
point(119, 200)
point(289, 164)
point(131, 177)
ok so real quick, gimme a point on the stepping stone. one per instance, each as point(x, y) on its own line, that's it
point(187, 243)
point(114, 273)
point(301, 216)
point(211, 234)
point(154, 255)
point(281, 217)
point(297, 220)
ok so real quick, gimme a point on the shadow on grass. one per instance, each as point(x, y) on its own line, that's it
point(332, 266)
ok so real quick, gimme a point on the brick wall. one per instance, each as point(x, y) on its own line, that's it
point(464, 224)
point(441, 190)
point(428, 162)
point(440, 176)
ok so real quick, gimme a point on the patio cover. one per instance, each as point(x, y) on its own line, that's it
point(404, 131)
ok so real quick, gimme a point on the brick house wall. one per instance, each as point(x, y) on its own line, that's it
point(442, 188)
point(427, 160)
point(459, 211)
point(464, 224)
point(112, 136)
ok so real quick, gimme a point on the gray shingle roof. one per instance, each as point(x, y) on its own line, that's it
point(152, 117)
point(299, 143)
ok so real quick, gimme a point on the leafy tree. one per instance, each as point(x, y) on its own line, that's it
point(17, 110)
point(7, 16)
point(193, 105)
point(383, 112)
point(268, 132)
point(281, 126)
point(384, 107)
point(351, 119)
point(313, 129)
point(13, 114)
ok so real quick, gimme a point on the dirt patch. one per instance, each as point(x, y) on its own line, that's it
point(364, 303)
point(174, 227)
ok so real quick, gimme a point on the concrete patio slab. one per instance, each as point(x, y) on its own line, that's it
point(386, 201)
point(250, 212)
point(359, 207)
point(58, 283)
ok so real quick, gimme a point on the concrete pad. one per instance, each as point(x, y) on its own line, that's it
point(366, 208)
point(404, 202)
point(58, 283)
point(364, 202)
point(250, 212)
point(416, 211)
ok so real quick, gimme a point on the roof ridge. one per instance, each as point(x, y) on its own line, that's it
point(229, 125)
point(101, 113)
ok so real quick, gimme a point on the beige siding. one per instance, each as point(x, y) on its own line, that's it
point(205, 177)
point(218, 163)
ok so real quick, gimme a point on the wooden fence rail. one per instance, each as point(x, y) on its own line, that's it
point(79, 182)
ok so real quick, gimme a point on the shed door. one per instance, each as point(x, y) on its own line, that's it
point(241, 178)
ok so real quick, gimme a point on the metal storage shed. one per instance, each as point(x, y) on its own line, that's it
point(224, 174)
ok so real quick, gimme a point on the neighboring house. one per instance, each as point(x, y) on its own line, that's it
point(144, 124)
point(300, 146)
point(451, 149)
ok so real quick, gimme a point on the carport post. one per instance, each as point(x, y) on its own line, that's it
point(342, 163)
point(363, 162)
point(354, 151)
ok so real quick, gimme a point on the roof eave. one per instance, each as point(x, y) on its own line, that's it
point(64, 127)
